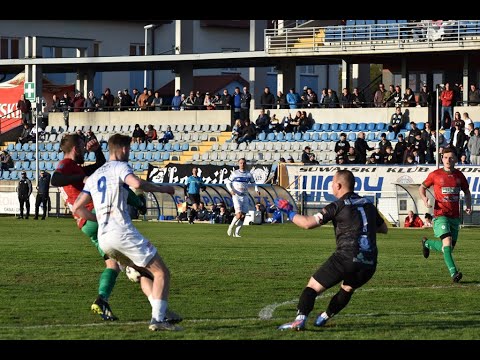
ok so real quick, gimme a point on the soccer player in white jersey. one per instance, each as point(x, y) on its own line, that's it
point(118, 238)
point(237, 185)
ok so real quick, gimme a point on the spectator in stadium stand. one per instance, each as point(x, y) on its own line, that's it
point(346, 99)
point(151, 133)
point(276, 124)
point(138, 134)
point(267, 100)
point(312, 99)
point(308, 157)
point(226, 100)
point(305, 122)
point(397, 121)
point(358, 99)
point(293, 99)
point(396, 97)
point(425, 97)
point(55, 107)
point(331, 100)
point(81, 134)
point(25, 107)
point(323, 96)
point(246, 98)
point(6, 161)
point(91, 102)
point(361, 147)
point(376, 156)
point(421, 147)
point(281, 100)
point(176, 101)
point(399, 150)
point(262, 124)
point(446, 97)
point(290, 159)
point(25, 135)
point(190, 101)
point(352, 156)
point(208, 102)
point(143, 100)
point(389, 157)
point(78, 102)
point(409, 98)
point(342, 145)
point(90, 136)
point(383, 143)
point(199, 99)
point(474, 147)
point(413, 132)
point(237, 103)
point(202, 213)
point(167, 135)
point(43, 196)
point(24, 189)
point(428, 222)
point(463, 160)
point(387, 95)
point(473, 96)
point(108, 100)
point(248, 132)
point(126, 101)
point(410, 160)
point(379, 96)
point(458, 140)
point(134, 104)
point(457, 118)
point(413, 220)
point(150, 98)
point(117, 101)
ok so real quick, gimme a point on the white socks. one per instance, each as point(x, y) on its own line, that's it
point(159, 308)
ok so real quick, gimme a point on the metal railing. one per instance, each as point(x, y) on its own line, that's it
point(382, 34)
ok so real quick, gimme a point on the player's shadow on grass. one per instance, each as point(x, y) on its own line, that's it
point(472, 282)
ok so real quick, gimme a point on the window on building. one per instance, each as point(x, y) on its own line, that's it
point(9, 48)
point(137, 49)
point(96, 49)
point(307, 69)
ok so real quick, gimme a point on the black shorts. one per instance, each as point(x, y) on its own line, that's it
point(194, 198)
point(341, 268)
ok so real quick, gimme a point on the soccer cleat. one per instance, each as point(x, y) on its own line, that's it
point(294, 325)
point(457, 276)
point(142, 210)
point(163, 325)
point(237, 235)
point(102, 308)
point(229, 231)
point(320, 321)
point(172, 317)
point(426, 251)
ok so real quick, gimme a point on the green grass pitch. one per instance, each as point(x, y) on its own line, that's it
point(232, 288)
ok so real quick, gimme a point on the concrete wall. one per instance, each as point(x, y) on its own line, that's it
point(142, 117)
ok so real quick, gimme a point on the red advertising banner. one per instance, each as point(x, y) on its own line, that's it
point(10, 92)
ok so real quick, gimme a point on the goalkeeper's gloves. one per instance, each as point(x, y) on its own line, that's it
point(285, 207)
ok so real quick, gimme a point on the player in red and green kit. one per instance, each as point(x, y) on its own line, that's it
point(447, 183)
point(70, 176)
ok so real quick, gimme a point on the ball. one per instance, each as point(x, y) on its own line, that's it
point(132, 274)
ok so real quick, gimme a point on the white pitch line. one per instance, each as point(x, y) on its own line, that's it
point(267, 312)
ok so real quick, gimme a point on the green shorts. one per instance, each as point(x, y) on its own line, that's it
point(90, 228)
point(444, 225)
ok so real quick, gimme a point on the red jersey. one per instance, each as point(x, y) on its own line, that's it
point(446, 187)
point(71, 192)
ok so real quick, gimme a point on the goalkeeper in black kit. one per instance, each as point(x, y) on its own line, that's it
point(356, 221)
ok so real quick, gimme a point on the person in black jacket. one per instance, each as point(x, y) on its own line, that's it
point(43, 197)
point(24, 189)
point(361, 147)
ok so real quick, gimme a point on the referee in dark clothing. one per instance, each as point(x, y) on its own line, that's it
point(43, 197)
point(24, 189)
point(356, 221)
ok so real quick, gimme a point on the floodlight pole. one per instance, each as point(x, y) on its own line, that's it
point(37, 102)
point(146, 27)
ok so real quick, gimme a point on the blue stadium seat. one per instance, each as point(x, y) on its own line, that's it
point(41, 165)
point(104, 145)
point(11, 147)
point(33, 147)
point(18, 165)
point(139, 156)
point(134, 147)
point(391, 136)
point(343, 127)
point(334, 136)
point(297, 136)
point(421, 125)
point(150, 147)
point(315, 136)
point(30, 175)
point(371, 126)
point(41, 146)
point(476, 124)
point(54, 155)
point(381, 126)
point(6, 175)
point(325, 127)
point(159, 147)
point(352, 136)
point(185, 147)
point(91, 156)
point(144, 166)
point(137, 166)
point(289, 137)
point(361, 127)
point(49, 166)
point(446, 134)
point(370, 136)
point(167, 147)
point(334, 127)
point(306, 137)
point(61, 156)
point(166, 155)
point(280, 136)
point(26, 147)
point(14, 155)
point(49, 146)
point(29, 156)
point(14, 175)
point(316, 127)
point(262, 137)
point(324, 137)
point(408, 127)
point(142, 146)
point(18, 147)
point(157, 156)
point(271, 137)
point(149, 156)
point(352, 127)
point(176, 147)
